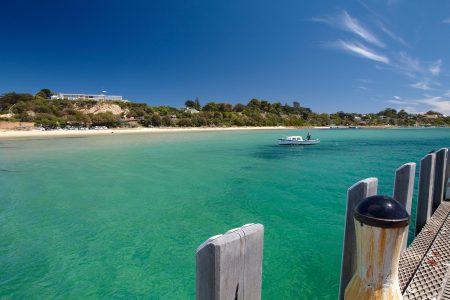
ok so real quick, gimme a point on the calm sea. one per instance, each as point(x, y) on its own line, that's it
point(113, 217)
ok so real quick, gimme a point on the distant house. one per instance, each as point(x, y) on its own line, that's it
point(431, 116)
point(191, 110)
point(87, 97)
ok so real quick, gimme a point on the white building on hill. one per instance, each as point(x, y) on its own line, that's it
point(87, 97)
point(190, 110)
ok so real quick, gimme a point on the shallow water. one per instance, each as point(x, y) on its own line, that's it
point(121, 216)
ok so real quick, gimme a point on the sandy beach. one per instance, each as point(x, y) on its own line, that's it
point(13, 134)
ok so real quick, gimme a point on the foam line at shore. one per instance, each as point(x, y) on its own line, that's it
point(7, 134)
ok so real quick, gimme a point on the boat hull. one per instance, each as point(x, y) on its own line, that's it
point(304, 142)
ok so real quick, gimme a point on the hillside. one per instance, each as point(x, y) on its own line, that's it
point(43, 111)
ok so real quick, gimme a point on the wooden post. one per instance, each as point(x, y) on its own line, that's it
point(425, 195)
point(229, 266)
point(357, 192)
point(403, 190)
point(380, 224)
point(447, 176)
point(439, 177)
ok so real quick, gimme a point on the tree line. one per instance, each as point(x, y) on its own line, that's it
point(47, 112)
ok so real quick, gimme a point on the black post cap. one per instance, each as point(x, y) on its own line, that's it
point(381, 211)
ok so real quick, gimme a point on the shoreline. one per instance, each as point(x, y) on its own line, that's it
point(18, 134)
point(14, 134)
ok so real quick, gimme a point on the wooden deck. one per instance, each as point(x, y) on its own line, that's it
point(424, 266)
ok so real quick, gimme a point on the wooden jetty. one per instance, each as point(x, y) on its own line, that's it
point(376, 261)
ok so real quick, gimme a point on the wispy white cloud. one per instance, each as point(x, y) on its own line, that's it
point(421, 85)
point(435, 103)
point(364, 84)
point(420, 72)
point(435, 68)
point(409, 106)
point(446, 21)
point(346, 22)
point(381, 21)
point(401, 102)
point(353, 25)
point(391, 34)
point(413, 110)
point(408, 63)
point(360, 50)
point(413, 67)
point(363, 80)
point(393, 101)
point(427, 84)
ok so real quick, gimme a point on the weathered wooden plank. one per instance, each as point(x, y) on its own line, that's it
point(439, 177)
point(357, 192)
point(229, 266)
point(253, 261)
point(447, 177)
point(404, 185)
point(403, 191)
point(425, 194)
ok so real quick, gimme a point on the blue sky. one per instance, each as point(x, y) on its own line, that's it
point(356, 56)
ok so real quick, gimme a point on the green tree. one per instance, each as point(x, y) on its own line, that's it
point(185, 122)
point(9, 99)
point(402, 114)
point(388, 112)
point(197, 104)
point(431, 112)
point(199, 121)
point(265, 106)
point(210, 106)
point(156, 120)
point(166, 121)
point(287, 109)
point(44, 94)
point(189, 103)
point(277, 108)
point(224, 107)
point(254, 103)
point(238, 107)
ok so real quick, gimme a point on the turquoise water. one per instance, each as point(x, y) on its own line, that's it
point(112, 217)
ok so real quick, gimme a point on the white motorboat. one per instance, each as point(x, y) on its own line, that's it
point(297, 140)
